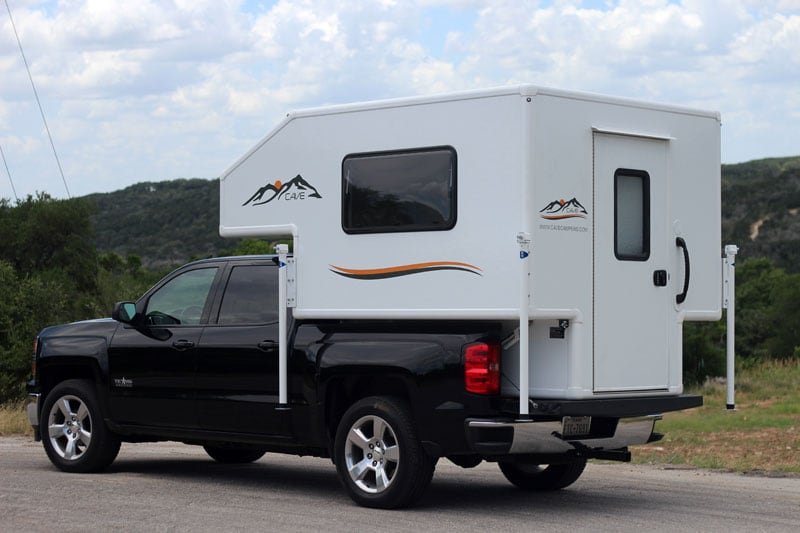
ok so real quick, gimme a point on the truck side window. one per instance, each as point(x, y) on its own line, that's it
point(182, 299)
point(631, 215)
point(408, 190)
point(251, 296)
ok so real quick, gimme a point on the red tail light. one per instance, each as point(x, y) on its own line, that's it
point(482, 368)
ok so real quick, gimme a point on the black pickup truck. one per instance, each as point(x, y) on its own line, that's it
point(196, 360)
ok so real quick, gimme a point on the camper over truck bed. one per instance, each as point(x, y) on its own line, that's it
point(497, 275)
point(588, 226)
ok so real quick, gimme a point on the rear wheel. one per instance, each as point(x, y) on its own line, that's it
point(73, 432)
point(543, 477)
point(379, 458)
point(234, 455)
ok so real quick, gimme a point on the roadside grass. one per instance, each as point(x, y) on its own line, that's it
point(762, 434)
point(14, 420)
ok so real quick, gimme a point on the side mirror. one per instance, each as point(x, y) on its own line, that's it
point(124, 312)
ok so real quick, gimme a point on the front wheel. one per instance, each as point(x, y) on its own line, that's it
point(543, 477)
point(379, 458)
point(73, 432)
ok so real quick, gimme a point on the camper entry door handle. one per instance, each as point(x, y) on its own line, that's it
point(680, 243)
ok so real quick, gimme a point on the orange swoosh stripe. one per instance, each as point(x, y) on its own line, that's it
point(404, 270)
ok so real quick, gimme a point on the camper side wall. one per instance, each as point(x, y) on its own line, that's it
point(465, 268)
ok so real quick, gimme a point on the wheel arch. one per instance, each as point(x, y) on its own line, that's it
point(54, 370)
point(344, 390)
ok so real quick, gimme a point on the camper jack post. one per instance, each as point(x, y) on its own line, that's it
point(524, 241)
point(729, 301)
point(282, 250)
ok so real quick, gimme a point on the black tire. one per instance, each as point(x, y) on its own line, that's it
point(73, 432)
point(234, 455)
point(378, 456)
point(543, 477)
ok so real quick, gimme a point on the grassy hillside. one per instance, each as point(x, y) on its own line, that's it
point(761, 209)
point(165, 223)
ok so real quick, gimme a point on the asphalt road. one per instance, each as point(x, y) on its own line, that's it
point(172, 487)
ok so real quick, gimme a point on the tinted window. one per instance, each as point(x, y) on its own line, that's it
point(182, 299)
point(251, 296)
point(399, 191)
point(631, 215)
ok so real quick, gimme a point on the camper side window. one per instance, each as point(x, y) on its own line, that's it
point(631, 215)
point(409, 190)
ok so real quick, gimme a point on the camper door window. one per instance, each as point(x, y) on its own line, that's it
point(631, 215)
point(406, 190)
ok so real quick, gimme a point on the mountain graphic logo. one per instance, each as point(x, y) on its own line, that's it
point(561, 209)
point(295, 189)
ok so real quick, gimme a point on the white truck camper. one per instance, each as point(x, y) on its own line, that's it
point(589, 226)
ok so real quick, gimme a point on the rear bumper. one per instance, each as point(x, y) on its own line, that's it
point(493, 437)
point(605, 407)
point(616, 423)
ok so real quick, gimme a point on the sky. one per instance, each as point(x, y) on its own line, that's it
point(148, 90)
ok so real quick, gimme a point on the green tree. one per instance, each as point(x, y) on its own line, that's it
point(784, 319)
point(41, 234)
point(767, 322)
point(758, 282)
point(27, 303)
point(703, 351)
point(251, 247)
point(48, 275)
point(119, 280)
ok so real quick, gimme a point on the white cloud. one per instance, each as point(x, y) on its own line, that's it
point(164, 89)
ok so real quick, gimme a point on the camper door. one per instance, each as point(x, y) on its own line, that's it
point(633, 291)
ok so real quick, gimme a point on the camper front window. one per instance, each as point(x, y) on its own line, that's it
point(407, 190)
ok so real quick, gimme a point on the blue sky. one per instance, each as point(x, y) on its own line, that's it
point(155, 90)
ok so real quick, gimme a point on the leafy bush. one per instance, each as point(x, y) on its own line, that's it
point(26, 304)
point(703, 351)
point(48, 275)
point(767, 323)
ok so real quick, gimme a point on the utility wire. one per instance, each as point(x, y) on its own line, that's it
point(13, 189)
point(38, 102)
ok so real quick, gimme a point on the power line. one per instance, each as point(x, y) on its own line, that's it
point(13, 189)
point(38, 102)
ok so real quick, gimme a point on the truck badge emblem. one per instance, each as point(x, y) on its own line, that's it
point(123, 382)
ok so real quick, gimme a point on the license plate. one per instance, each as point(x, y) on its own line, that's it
point(574, 426)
